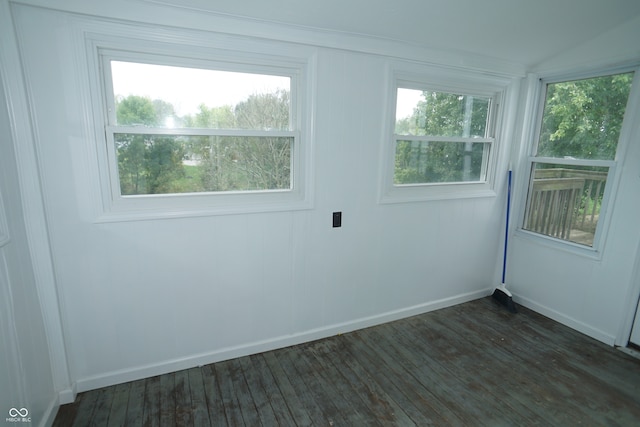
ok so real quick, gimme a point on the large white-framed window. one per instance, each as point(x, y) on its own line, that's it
point(573, 162)
point(196, 133)
point(442, 136)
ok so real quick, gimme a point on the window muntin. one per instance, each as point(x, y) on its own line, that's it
point(441, 137)
point(181, 129)
point(575, 157)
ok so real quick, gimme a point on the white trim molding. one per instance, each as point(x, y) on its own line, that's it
point(32, 201)
point(568, 321)
point(503, 92)
point(96, 40)
point(175, 13)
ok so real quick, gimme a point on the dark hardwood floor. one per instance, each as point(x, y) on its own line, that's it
point(470, 365)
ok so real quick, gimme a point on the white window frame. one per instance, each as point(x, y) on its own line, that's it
point(538, 93)
point(300, 69)
point(411, 76)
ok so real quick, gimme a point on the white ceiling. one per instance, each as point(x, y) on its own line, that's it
point(526, 32)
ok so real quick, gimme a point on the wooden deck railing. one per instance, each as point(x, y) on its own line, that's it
point(562, 200)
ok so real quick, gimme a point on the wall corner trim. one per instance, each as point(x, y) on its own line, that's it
point(31, 194)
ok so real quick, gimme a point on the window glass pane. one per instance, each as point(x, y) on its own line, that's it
point(582, 118)
point(420, 162)
point(165, 164)
point(180, 97)
point(564, 201)
point(440, 114)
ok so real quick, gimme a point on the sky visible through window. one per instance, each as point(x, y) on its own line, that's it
point(407, 100)
point(187, 88)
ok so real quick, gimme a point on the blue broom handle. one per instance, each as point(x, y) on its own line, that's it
point(506, 232)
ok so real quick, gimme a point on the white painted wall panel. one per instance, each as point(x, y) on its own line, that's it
point(144, 297)
point(612, 47)
point(25, 368)
point(589, 292)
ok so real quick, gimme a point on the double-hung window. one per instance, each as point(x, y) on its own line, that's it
point(442, 133)
point(574, 159)
point(441, 137)
point(183, 134)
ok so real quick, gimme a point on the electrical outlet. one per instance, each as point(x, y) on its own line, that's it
point(337, 219)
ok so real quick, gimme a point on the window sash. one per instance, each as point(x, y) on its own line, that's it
point(571, 207)
point(108, 55)
point(144, 130)
point(491, 96)
point(488, 139)
point(572, 162)
point(111, 128)
point(486, 154)
point(428, 138)
point(611, 166)
point(542, 107)
point(114, 172)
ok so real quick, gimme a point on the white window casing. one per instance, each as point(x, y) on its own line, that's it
point(530, 160)
point(500, 92)
point(194, 50)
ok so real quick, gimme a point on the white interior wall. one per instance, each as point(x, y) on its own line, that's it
point(25, 370)
point(614, 47)
point(143, 297)
point(587, 291)
point(596, 294)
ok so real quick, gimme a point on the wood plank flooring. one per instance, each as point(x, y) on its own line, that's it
point(473, 364)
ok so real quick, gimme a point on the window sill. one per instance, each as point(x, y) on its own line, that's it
point(177, 206)
point(431, 192)
point(559, 244)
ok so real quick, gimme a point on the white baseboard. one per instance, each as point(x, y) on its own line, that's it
point(566, 320)
point(67, 395)
point(136, 373)
point(50, 414)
